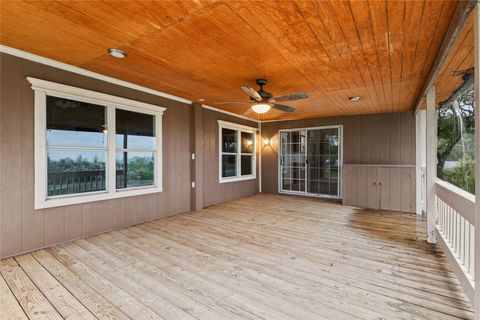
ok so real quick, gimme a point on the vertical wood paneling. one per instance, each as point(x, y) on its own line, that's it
point(384, 140)
point(408, 189)
point(362, 187)
point(11, 149)
point(33, 222)
point(395, 184)
point(385, 187)
point(406, 131)
point(89, 218)
point(73, 222)
point(105, 215)
point(118, 210)
point(151, 206)
point(384, 179)
point(395, 139)
point(54, 225)
point(372, 187)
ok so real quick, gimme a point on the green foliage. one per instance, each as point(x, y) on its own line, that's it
point(140, 168)
point(463, 175)
point(68, 164)
point(456, 139)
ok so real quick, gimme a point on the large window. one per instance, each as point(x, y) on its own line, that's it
point(236, 152)
point(91, 146)
point(456, 138)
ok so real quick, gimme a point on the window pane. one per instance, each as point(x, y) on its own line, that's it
point(134, 130)
point(456, 139)
point(229, 140)
point(246, 165)
point(74, 171)
point(247, 142)
point(75, 124)
point(229, 165)
point(135, 169)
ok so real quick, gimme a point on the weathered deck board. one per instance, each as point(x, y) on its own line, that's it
point(261, 257)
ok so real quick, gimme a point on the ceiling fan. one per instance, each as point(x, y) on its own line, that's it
point(262, 101)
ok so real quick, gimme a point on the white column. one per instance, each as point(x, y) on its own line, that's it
point(421, 154)
point(477, 164)
point(431, 165)
point(259, 147)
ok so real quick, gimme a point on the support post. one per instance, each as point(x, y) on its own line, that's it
point(420, 160)
point(476, 94)
point(431, 165)
point(197, 138)
point(260, 148)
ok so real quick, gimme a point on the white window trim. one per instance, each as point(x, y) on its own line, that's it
point(239, 128)
point(43, 89)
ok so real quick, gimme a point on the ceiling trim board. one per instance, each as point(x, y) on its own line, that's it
point(88, 73)
point(230, 113)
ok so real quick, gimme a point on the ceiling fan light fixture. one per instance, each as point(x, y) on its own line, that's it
point(261, 107)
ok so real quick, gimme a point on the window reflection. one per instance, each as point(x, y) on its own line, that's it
point(134, 130)
point(229, 165)
point(247, 142)
point(134, 169)
point(75, 124)
point(229, 140)
point(75, 171)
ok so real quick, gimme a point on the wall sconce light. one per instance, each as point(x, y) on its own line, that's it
point(266, 141)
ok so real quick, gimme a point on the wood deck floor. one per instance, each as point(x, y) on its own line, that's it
point(261, 257)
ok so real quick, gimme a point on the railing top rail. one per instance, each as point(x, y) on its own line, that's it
point(460, 200)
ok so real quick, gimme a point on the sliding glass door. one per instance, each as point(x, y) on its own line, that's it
point(293, 161)
point(310, 161)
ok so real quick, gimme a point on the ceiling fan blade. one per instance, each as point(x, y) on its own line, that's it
point(249, 111)
point(283, 108)
point(252, 93)
point(292, 96)
point(228, 102)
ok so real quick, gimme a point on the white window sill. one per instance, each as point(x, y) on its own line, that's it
point(236, 179)
point(79, 198)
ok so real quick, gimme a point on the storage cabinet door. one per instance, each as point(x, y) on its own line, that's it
point(373, 188)
point(408, 190)
point(384, 184)
point(349, 184)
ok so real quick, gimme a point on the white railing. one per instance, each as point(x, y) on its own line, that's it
point(456, 230)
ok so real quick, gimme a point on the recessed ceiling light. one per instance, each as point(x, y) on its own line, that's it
point(354, 98)
point(117, 53)
point(201, 99)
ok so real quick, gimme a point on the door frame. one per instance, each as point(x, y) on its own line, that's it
point(340, 166)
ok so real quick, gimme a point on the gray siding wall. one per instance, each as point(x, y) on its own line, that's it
point(387, 138)
point(23, 229)
point(213, 191)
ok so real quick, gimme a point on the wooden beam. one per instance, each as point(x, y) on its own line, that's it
point(476, 94)
point(431, 165)
point(456, 24)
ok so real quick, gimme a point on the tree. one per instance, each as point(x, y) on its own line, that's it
point(456, 129)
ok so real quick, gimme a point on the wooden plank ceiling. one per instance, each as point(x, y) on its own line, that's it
point(379, 50)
